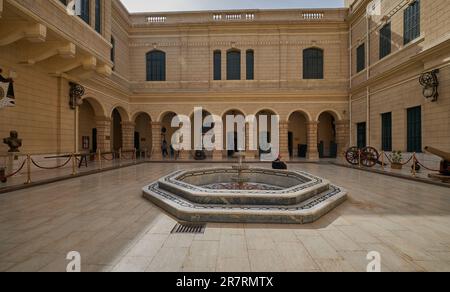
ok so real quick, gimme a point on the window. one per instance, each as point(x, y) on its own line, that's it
point(385, 41)
point(98, 16)
point(156, 66)
point(361, 58)
point(84, 10)
point(414, 129)
point(313, 64)
point(411, 22)
point(234, 65)
point(361, 135)
point(113, 51)
point(217, 65)
point(250, 60)
point(386, 132)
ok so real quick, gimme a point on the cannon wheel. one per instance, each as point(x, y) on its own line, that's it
point(369, 156)
point(352, 155)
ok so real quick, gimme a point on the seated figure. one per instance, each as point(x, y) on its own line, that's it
point(279, 164)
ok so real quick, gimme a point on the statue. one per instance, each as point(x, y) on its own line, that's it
point(13, 142)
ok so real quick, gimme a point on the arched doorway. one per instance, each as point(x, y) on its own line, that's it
point(231, 138)
point(88, 113)
point(204, 130)
point(326, 136)
point(166, 134)
point(298, 134)
point(143, 134)
point(264, 135)
point(116, 130)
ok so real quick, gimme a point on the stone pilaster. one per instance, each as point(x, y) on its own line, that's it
point(313, 152)
point(284, 147)
point(184, 155)
point(103, 126)
point(156, 141)
point(342, 137)
point(128, 135)
point(250, 154)
point(217, 155)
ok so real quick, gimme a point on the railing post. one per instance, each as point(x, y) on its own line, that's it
point(359, 158)
point(120, 156)
point(100, 159)
point(28, 169)
point(382, 159)
point(74, 164)
point(135, 156)
point(414, 165)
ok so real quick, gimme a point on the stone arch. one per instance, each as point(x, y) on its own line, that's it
point(297, 133)
point(98, 107)
point(142, 132)
point(333, 112)
point(162, 115)
point(124, 115)
point(234, 136)
point(138, 113)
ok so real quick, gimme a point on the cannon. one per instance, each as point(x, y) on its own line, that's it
point(445, 163)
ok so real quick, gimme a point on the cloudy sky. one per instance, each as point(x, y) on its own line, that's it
point(189, 5)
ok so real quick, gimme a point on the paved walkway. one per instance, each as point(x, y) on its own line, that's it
point(105, 218)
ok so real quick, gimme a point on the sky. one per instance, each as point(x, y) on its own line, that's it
point(193, 5)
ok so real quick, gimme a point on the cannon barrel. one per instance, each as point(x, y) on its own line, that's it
point(442, 154)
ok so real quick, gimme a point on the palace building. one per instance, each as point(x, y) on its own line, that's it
point(358, 75)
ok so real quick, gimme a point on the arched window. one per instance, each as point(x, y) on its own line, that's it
point(313, 63)
point(217, 65)
point(156, 66)
point(234, 65)
point(250, 60)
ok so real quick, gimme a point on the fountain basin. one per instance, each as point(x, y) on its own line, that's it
point(279, 196)
point(277, 187)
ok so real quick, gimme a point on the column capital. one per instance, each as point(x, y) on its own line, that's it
point(312, 123)
point(155, 123)
point(128, 124)
point(102, 119)
point(342, 122)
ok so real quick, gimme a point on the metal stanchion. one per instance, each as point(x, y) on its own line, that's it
point(414, 164)
point(135, 156)
point(382, 159)
point(100, 159)
point(74, 164)
point(120, 156)
point(28, 169)
point(359, 158)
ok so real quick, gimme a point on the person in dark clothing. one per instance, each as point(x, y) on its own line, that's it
point(278, 164)
point(10, 93)
point(165, 153)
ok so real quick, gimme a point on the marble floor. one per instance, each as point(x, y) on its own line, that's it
point(105, 219)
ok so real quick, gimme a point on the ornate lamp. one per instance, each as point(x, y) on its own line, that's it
point(76, 93)
point(430, 84)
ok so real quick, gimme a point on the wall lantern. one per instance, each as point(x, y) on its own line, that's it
point(75, 94)
point(430, 83)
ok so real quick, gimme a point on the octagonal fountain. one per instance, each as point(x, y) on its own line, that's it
point(246, 195)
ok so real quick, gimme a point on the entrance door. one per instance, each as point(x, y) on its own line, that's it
point(137, 140)
point(361, 135)
point(94, 140)
point(291, 144)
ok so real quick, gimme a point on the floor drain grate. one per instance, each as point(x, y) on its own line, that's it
point(189, 228)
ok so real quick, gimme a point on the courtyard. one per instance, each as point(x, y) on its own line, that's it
point(105, 218)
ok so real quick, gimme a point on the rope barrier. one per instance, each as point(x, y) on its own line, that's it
point(108, 159)
point(422, 165)
point(390, 160)
point(49, 168)
point(17, 171)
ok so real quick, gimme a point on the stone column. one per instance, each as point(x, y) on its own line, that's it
point(251, 154)
point(156, 153)
point(103, 126)
point(128, 135)
point(217, 155)
point(342, 137)
point(311, 129)
point(284, 147)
